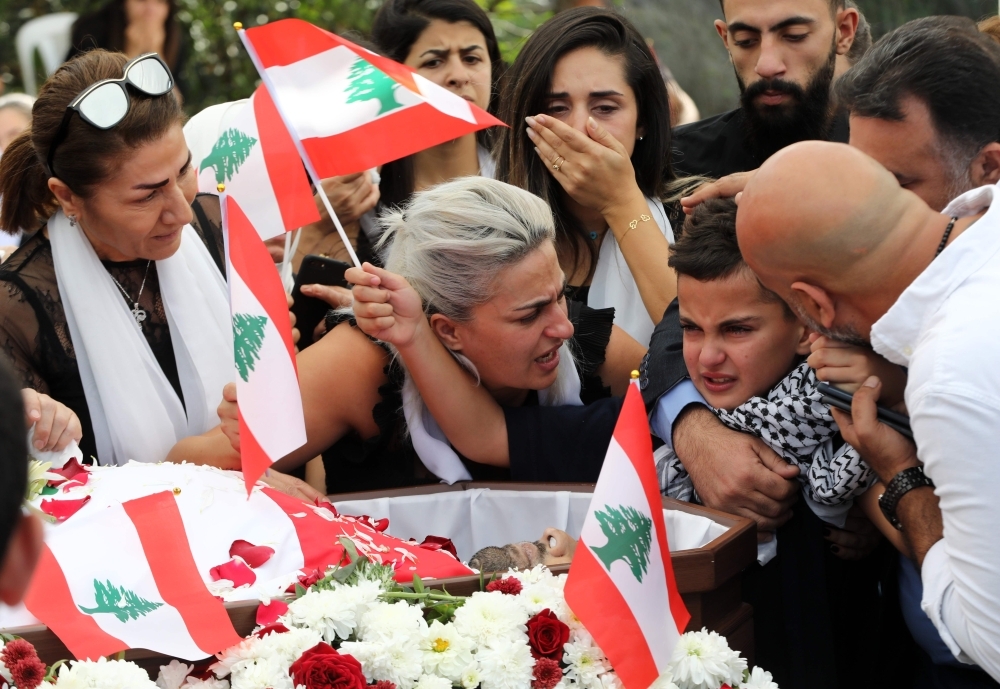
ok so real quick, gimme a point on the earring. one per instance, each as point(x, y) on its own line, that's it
point(72, 221)
point(640, 138)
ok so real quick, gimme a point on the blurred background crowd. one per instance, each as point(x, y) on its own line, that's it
point(211, 67)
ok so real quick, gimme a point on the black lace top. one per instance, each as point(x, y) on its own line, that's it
point(388, 459)
point(33, 330)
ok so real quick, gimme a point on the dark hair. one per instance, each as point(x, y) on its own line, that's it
point(88, 155)
point(396, 28)
point(13, 455)
point(862, 37)
point(105, 28)
point(946, 63)
point(526, 91)
point(707, 248)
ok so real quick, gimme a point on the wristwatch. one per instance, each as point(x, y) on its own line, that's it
point(901, 484)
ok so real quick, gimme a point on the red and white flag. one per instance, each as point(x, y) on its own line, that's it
point(257, 160)
point(267, 383)
point(621, 583)
point(124, 577)
point(352, 109)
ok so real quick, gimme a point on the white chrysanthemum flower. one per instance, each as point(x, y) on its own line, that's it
point(585, 662)
point(471, 676)
point(703, 660)
point(262, 672)
point(210, 683)
point(397, 660)
point(4, 672)
point(104, 673)
point(541, 595)
point(288, 646)
point(334, 614)
point(664, 681)
point(244, 650)
point(432, 682)
point(488, 618)
point(446, 652)
point(609, 680)
point(759, 679)
point(397, 621)
point(506, 665)
point(172, 676)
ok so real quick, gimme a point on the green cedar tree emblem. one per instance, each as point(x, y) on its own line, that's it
point(629, 535)
point(228, 154)
point(248, 336)
point(119, 601)
point(369, 83)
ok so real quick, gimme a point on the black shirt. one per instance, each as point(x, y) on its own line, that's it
point(562, 444)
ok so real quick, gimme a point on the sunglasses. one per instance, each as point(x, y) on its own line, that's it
point(106, 103)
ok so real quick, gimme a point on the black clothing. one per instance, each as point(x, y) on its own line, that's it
point(388, 459)
point(663, 365)
point(560, 443)
point(716, 146)
point(33, 330)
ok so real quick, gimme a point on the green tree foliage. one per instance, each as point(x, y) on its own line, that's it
point(629, 534)
point(229, 152)
point(119, 601)
point(248, 336)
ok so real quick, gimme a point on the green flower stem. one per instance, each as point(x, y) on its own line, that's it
point(426, 595)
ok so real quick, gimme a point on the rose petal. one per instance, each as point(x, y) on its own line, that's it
point(271, 629)
point(328, 505)
point(268, 614)
point(71, 470)
point(439, 543)
point(253, 555)
point(63, 509)
point(236, 571)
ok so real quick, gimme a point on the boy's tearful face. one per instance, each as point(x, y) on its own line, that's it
point(739, 341)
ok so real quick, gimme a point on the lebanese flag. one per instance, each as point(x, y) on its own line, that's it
point(267, 381)
point(257, 161)
point(352, 109)
point(621, 583)
point(124, 577)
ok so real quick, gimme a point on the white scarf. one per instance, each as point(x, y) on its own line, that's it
point(429, 440)
point(134, 410)
point(613, 284)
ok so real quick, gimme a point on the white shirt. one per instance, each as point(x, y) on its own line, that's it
point(946, 328)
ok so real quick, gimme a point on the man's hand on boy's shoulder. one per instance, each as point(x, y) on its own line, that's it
point(735, 472)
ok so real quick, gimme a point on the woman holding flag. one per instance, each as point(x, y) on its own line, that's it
point(117, 306)
point(482, 257)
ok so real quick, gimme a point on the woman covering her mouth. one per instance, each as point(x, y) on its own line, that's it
point(481, 257)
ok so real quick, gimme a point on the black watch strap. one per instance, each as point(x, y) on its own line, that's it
point(901, 484)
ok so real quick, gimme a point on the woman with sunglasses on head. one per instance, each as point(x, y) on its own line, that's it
point(590, 134)
point(117, 305)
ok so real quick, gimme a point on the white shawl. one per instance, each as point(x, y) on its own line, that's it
point(134, 410)
point(613, 284)
point(429, 440)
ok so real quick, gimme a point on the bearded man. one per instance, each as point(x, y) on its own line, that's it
point(785, 54)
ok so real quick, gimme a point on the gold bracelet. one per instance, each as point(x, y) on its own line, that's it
point(632, 225)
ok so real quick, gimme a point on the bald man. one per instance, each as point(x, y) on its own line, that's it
point(863, 260)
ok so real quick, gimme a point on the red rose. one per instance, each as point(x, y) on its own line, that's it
point(547, 635)
point(322, 667)
point(440, 543)
point(547, 674)
point(508, 585)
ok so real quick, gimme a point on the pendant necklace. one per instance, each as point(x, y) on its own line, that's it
point(138, 314)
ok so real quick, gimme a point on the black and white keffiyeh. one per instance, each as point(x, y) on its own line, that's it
point(795, 423)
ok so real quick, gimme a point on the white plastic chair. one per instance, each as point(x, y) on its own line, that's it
point(50, 35)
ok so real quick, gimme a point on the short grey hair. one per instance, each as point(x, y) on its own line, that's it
point(451, 241)
point(862, 37)
point(21, 102)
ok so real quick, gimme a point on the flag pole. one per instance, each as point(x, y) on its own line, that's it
point(298, 143)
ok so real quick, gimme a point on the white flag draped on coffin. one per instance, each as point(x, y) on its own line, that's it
point(351, 109)
point(621, 583)
point(271, 420)
point(259, 164)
